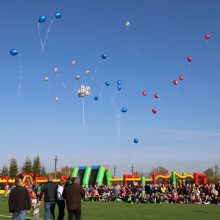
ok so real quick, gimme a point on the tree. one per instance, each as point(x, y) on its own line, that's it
point(13, 168)
point(216, 171)
point(210, 173)
point(4, 171)
point(36, 168)
point(65, 171)
point(159, 170)
point(27, 166)
point(43, 171)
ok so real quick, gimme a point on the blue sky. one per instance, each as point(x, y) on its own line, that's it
point(185, 132)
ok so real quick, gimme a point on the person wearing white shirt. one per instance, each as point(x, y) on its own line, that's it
point(60, 200)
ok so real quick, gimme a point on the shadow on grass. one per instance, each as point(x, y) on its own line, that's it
point(202, 212)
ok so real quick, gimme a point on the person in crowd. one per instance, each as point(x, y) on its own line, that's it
point(19, 202)
point(72, 194)
point(60, 200)
point(6, 190)
point(35, 206)
point(49, 191)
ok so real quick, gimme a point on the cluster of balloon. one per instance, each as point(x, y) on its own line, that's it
point(127, 24)
point(84, 91)
point(154, 111)
point(144, 93)
point(96, 98)
point(42, 19)
point(119, 83)
point(104, 56)
point(135, 140)
point(124, 109)
point(107, 83)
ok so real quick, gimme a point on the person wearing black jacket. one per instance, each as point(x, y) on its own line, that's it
point(19, 201)
point(49, 190)
point(73, 193)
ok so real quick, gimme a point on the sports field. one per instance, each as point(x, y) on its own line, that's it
point(119, 211)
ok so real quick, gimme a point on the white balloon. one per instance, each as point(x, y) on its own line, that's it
point(73, 62)
point(127, 24)
point(56, 98)
point(46, 78)
point(55, 69)
point(87, 72)
point(77, 77)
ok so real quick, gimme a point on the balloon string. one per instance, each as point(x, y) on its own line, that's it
point(96, 69)
point(63, 84)
point(100, 94)
point(49, 86)
point(41, 42)
point(83, 113)
point(48, 30)
point(134, 155)
point(21, 74)
point(133, 42)
point(118, 119)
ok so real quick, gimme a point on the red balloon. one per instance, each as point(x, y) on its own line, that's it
point(189, 59)
point(154, 111)
point(207, 36)
point(175, 82)
point(156, 96)
point(144, 93)
point(181, 78)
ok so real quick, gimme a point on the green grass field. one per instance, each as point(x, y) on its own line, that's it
point(120, 211)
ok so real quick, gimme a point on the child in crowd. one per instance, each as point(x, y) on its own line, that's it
point(35, 206)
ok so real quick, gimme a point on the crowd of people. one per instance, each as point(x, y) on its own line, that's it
point(158, 193)
point(70, 194)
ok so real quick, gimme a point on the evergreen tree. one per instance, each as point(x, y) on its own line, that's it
point(13, 168)
point(36, 169)
point(43, 171)
point(4, 171)
point(27, 166)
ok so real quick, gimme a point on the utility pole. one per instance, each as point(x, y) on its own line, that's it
point(56, 159)
point(132, 169)
point(114, 170)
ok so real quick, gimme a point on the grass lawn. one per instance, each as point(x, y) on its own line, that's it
point(120, 211)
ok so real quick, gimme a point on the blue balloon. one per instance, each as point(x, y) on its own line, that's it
point(124, 109)
point(135, 140)
point(107, 83)
point(42, 19)
point(13, 52)
point(119, 82)
point(103, 56)
point(119, 88)
point(96, 98)
point(58, 15)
